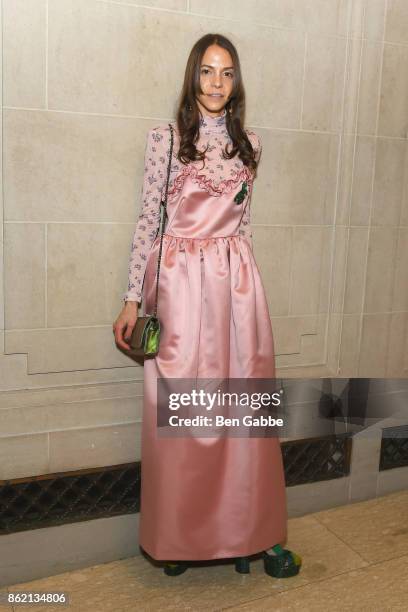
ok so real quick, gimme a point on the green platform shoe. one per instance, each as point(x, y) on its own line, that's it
point(242, 565)
point(175, 569)
point(284, 565)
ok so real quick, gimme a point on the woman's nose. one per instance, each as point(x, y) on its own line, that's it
point(217, 80)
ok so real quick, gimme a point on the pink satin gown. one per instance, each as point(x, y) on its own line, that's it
point(208, 498)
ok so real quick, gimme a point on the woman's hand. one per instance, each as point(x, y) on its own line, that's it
point(124, 324)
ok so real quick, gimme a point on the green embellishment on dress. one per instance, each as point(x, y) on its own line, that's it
point(241, 194)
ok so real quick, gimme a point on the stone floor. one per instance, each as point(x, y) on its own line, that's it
point(355, 557)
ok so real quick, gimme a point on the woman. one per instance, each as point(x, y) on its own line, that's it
point(205, 498)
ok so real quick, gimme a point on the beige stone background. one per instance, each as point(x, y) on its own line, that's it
point(82, 82)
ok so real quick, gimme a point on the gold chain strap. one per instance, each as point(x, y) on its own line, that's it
point(164, 208)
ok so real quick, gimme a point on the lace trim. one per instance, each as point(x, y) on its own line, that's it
point(204, 182)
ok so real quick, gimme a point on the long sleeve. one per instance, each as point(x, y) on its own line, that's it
point(148, 222)
point(245, 225)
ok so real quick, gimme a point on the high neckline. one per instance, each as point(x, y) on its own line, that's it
point(213, 124)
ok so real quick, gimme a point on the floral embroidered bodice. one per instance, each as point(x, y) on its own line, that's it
point(216, 176)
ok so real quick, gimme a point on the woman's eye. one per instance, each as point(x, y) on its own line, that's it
point(206, 71)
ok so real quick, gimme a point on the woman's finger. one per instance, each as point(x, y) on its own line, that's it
point(119, 336)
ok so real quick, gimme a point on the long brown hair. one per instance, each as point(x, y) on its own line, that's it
point(188, 116)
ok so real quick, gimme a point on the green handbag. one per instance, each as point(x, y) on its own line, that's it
point(145, 337)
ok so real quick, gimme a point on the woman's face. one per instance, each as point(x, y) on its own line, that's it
point(216, 80)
